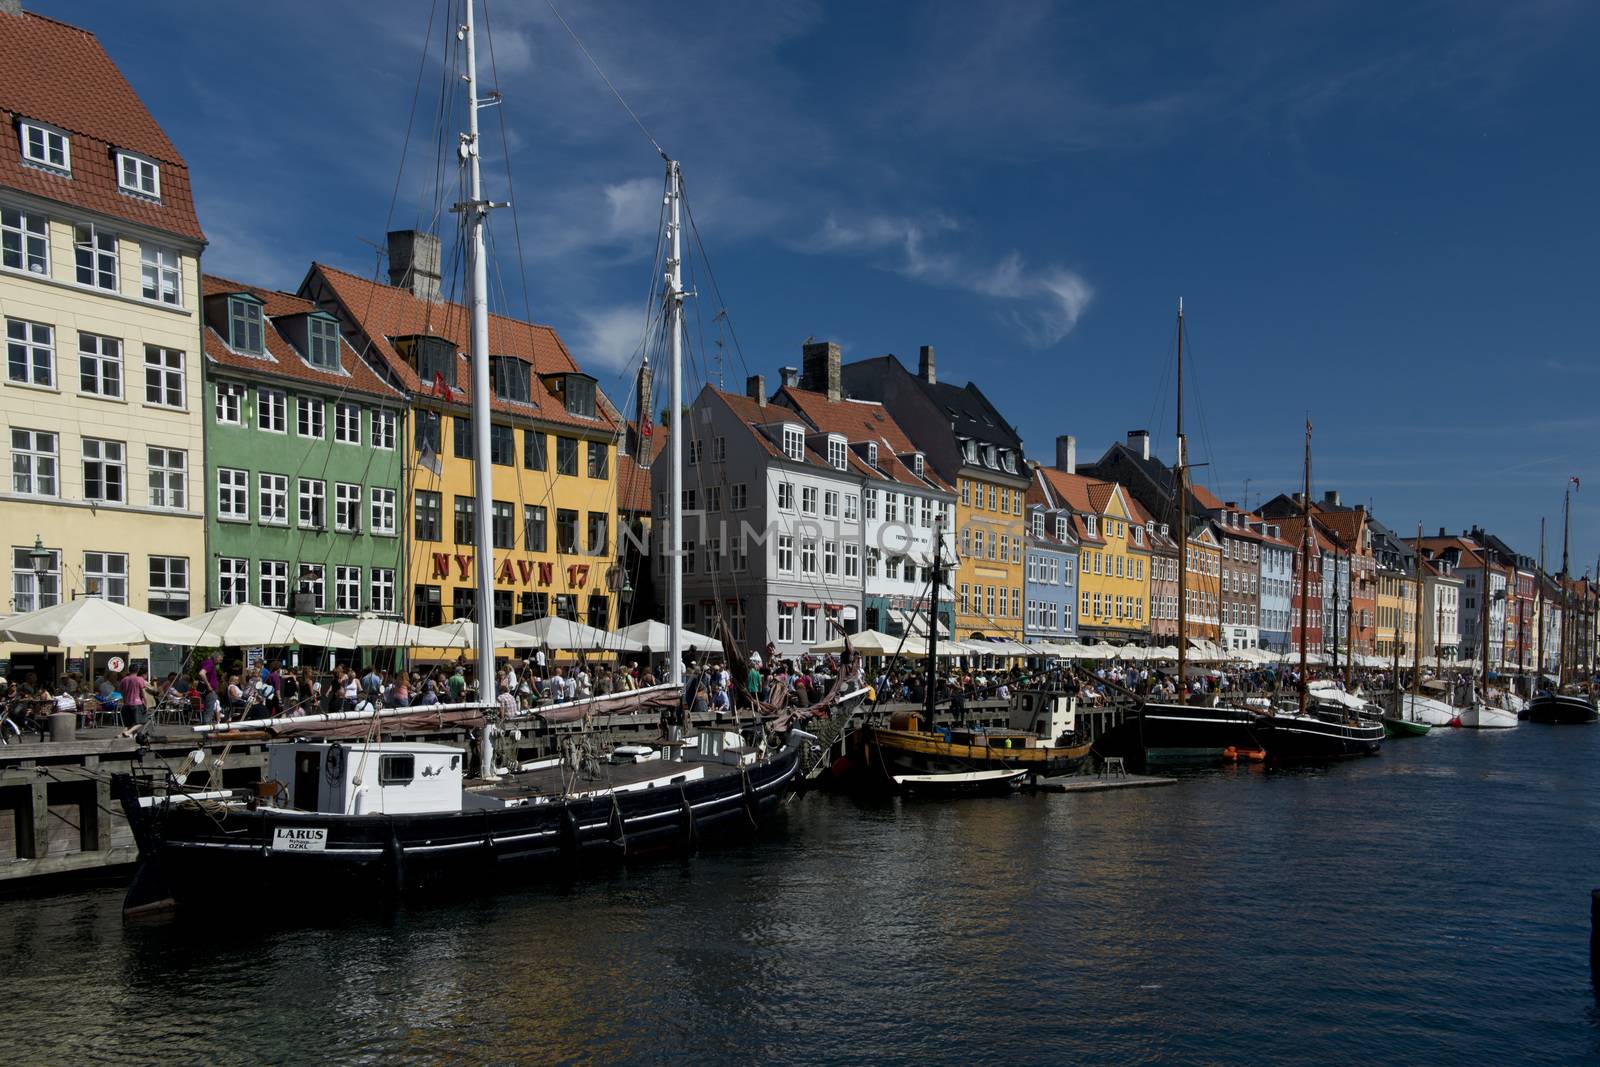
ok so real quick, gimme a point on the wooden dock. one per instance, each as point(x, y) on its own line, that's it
point(1095, 783)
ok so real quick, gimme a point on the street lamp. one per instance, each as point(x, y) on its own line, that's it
point(38, 557)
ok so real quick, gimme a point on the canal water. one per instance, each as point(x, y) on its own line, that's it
point(1427, 906)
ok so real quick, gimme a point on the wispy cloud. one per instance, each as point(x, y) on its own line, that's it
point(609, 338)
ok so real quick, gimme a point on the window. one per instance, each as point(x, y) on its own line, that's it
point(786, 496)
point(873, 556)
point(383, 421)
point(808, 555)
point(233, 581)
point(244, 325)
point(836, 453)
point(535, 525)
point(313, 590)
point(808, 626)
point(566, 530)
point(830, 504)
point(30, 591)
point(852, 507)
point(533, 457)
point(599, 459)
point(169, 478)
point(891, 507)
point(502, 446)
point(163, 377)
point(312, 496)
point(425, 430)
point(465, 521)
point(272, 410)
point(347, 423)
point(500, 526)
point(808, 500)
point(96, 256)
point(579, 394)
point(428, 518)
point(346, 507)
point(169, 586)
point(599, 534)
point(382, 591)
point(310, 416)
point(852, 560)
point(962, 604)
point(136, 175)
point(794, 443)
point(24, 241)
point(105, 575)
point(566, 455)
point(785, 623)
point(696, 452)
point(383, 511)
point(977, 543)
point(322, 342)
point(1090, 522)
point(160, 275)
point(274, 499)
point(104, 471)
point(33, 463)
point(30, 353)
point(426, 606)
point(966, 492)
point(870, 500)
point(347, 589)
point(785, 554)
point(719, 453)
point(462, 435)
point(99, 366)
point(44, 146)
point(830, 558)
point(233, 495)
point(713, 498)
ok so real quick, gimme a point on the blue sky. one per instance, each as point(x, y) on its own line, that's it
point(1381, 214)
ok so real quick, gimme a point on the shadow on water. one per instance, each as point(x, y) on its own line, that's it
point(1426, 906)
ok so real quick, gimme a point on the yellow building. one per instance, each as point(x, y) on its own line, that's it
point(989, 574)
point(100, 291)
point(1113, 555)
point(552, 449)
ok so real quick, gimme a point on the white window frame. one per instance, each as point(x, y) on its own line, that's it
point(273, 582)
point(161, 274)
point(738, 496)
point(233, 494)
point(308, 492)
point(383, 510)
point(103, 451)
point(46, 134)
point(272, 410)
point(382, 586)
point(830, 504)
point(29, 232)
point(852, 560)
point(794, 443)
point(145, 174)
point(313, 579)
point(786, 624)
point(111, 570)
point(346, 589)
point(101, 259)
point(168, 470)
point(808, 625)
point(230, 404)
point(233, 580)
point(345, 431)
point(310, 414)
point(784, 553)
point(32, 464)
point(169, 579)
point(837, 457)
point(32, 340)
point(274, 499)
point(346, 507)
point(165, 372)
point(383, 428)
point(808, 500)
point(101, 371)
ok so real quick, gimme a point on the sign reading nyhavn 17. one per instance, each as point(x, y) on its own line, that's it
point(514, 572)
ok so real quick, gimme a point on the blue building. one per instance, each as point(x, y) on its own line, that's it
point(1277, 585)
point(1050, 587)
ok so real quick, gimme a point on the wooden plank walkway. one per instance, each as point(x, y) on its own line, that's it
point(1094, 783)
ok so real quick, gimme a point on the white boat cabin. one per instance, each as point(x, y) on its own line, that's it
point(1049, 715)
point(400, 778)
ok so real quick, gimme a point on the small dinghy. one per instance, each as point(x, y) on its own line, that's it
point(960, 783)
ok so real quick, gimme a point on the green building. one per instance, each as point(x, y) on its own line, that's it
point(303, 469)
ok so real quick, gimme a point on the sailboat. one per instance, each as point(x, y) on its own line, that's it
point(1326, 731)
point(337, 821)
point(1555, 706)
point(1181, 732)
point(1404, 720)
point(1481, 713)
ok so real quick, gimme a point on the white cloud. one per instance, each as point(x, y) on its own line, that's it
point(607, 339)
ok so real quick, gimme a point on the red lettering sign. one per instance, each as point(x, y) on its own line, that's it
point(547, 572)
point(464, 565)
point(441, 564)
point(505, 573)
point(525, 569)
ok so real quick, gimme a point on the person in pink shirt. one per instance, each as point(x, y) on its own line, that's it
point(133, 687)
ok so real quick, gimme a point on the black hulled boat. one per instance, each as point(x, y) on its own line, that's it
point(1562, 709)
point(1318, 735)
point(1181, 733)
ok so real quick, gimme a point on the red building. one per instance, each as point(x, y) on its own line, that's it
point(1309, 594)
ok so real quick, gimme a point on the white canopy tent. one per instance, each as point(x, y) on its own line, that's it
point(246, 625)
point(565, 635)
point(463, 633)
point(91, 622)
point(652, 633)
point(381, 631)
point(877, 643)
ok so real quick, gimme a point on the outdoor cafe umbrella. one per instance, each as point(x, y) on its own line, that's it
point(381, 631)
point(554, 632)
point(876, 643)
point(91, 622)
point(654, 633)
point(248, 626)
point(463, 633)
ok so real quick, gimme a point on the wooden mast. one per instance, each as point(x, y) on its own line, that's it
point(1416, 648)
point(1538, 616)
point(1484, 605)
point(1180, 486)
point(1566, 599)
point(1305, 566)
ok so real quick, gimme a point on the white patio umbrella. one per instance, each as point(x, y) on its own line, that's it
point(877, 643)
point(654, 633)
point(246, 625)
point(554, 632)
point(380, 631)
point(463, 633)
point(95, 623)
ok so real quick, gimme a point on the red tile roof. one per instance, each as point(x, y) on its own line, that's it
point(755, 414)
point(384, 312)
point(59, 75)
point(633, 485)
point(860, 421)
point(281, 358)
point(1207, 498)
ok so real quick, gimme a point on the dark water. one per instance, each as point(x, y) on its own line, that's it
point(1427, 906)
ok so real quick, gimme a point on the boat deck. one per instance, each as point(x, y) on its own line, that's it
point(562, 781)
point(1094, 783)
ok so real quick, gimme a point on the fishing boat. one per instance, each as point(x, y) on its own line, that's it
point(396, 817)
point(1326, 728)
point(961, 783)
point(1396, 726)
point(1487, 710)
point(1181, 731)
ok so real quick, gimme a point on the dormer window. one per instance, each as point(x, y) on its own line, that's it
point(1061, 527)
point(1038, 524)
point(1138, 535)
point(510, 380)
point(794, 443)
point(836, 453)
point(1091, 525)
point(989, 457)
point(139, 176)
point(1008, 461)
point(919, 464)
point(45, 146)
point(435, 358)
point(244, 325)
point(872, 453)
point(1164, 532)
point(969, 451)
point(322, 342)
point(579, 395)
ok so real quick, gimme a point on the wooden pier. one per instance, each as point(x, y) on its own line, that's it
point(1095, 783)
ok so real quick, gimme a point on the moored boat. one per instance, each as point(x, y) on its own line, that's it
point(1310, 737)
point(1484, 716)
point(1562, 709)
point(961, 783)
point(1180, 733)
point(1395, 726)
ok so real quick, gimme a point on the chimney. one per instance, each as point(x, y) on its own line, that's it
point(755, 387)
point(645, 389)
point(1441, 531)
point(821, 362)
point(1139, 441)
point(414, 262)
point(1067, 453)
point(10, 7)
point(925, 365)
point(790, 377)
point(1331, 497)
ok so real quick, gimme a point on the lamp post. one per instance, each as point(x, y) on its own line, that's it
point(38, 557)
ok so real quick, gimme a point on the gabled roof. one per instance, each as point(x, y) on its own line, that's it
point(861, 421)
point(755, 415)
point(386, 312)
point(281, 360)
point(59, 75)
point(968, 409)
point(1070, 490)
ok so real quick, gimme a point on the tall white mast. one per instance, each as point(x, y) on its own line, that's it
point(477, 210)
point(677, 432)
